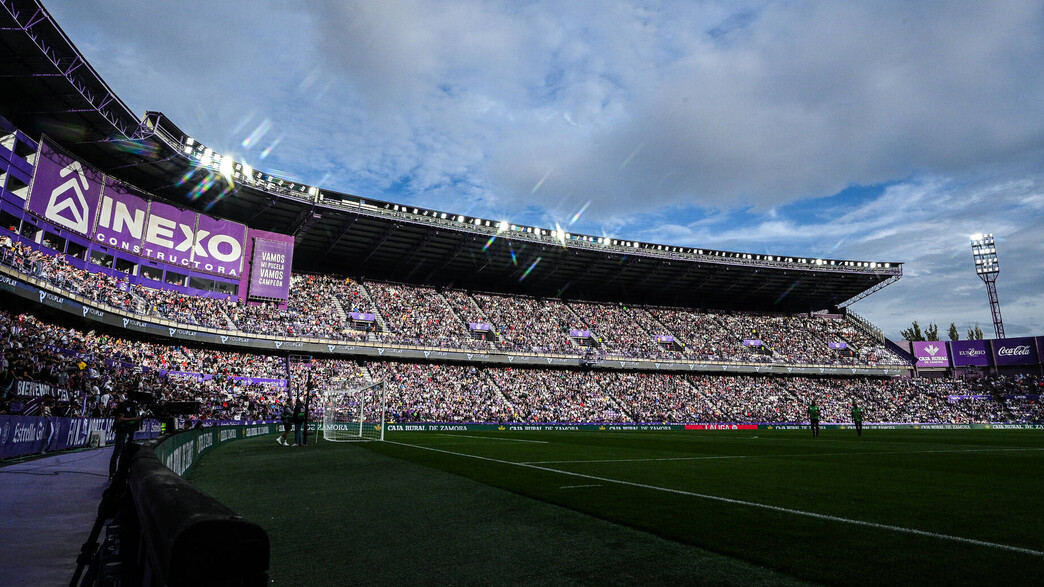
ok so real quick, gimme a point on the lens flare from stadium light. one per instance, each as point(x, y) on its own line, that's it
point(514, 258)
point(530, 269)
point(227, 169)
point(579, 212)
point(542, 180)
point(268, 149)
point(489, 242)
point(257, 134)
point(784, 294)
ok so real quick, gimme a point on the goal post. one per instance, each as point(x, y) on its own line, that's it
point(354, 414)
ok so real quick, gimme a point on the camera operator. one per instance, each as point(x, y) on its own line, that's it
point(128, 419)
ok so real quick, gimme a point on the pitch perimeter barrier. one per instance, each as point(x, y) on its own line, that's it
point(455, 427)
point(170, 533)
point(27, 435)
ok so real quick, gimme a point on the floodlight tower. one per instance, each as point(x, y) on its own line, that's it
point(985, 253)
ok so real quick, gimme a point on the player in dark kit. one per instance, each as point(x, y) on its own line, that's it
point(857, 417)
point(813, 418)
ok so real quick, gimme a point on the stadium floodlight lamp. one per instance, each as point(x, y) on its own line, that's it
point(227, 167)
point(987, 267)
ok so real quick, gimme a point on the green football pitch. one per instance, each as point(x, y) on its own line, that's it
point(714, 507)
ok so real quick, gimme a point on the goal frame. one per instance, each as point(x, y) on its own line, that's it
point(336, 435)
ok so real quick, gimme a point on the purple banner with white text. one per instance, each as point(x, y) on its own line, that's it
point(169, 234)
point(25, 435)
point(969, 353)
point(1014, 351)
point(931, 353)
point(270, 269)
point(64, 190)
point(219, 246)
point(121, 218)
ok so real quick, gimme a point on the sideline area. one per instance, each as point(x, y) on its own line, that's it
point(47, 508)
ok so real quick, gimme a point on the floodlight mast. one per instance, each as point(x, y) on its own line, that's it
point(984, 250)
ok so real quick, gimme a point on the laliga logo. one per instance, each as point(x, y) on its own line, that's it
point(75, 203)
point(1016, 351)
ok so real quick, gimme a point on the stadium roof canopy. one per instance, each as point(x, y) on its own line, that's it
point(49, 89)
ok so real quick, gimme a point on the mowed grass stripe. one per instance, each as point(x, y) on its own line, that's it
point(752, 504)
point(337, 514)
point(821, 454)
point(992, 497)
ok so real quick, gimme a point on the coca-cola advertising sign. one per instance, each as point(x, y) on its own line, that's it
point(931, 353)
point(969, 353)
point(1015, 351)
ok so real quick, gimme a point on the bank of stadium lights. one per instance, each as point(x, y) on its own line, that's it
point(987, 267)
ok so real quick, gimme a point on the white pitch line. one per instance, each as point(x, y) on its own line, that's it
point(752, 504)
point(821, 454)
point(493, 438)
point(580, 486)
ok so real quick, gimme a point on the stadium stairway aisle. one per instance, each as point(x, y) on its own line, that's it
point(47, 509)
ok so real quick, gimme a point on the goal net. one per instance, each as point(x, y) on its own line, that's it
point(354, 414)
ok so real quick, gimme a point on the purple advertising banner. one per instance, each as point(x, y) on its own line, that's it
point(270, 269)
point(837, 345)
point(966, 353)
point(362, 316)
point(664, 338)
point(580, 333)
point(751, 342)
point(931, 353)
point(64, 190)
point(24, 435)
point(219, 247)
point(1014, 351)
point(169, 234)
point(121, 218)
point(478, 326)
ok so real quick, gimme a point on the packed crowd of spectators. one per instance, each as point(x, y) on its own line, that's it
point(623, 331)
point(419, 316)
point(441, 393)
point(320, 307)
point(526, 324)
point(97, 371)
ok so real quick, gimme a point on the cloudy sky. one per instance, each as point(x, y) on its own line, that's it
point(879, 131)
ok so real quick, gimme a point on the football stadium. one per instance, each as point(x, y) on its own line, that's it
point(217, 375)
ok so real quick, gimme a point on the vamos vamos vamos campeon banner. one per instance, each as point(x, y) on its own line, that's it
point(79, 198)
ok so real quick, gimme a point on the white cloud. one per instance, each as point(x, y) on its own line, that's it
point(647, 112)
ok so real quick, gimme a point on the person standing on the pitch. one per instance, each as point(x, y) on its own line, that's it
point(288, 422)
point(857, 417)
point(813, 418)
point(299, 421)
point(127, 421)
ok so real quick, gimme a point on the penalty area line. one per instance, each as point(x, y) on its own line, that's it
point(753, 504)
